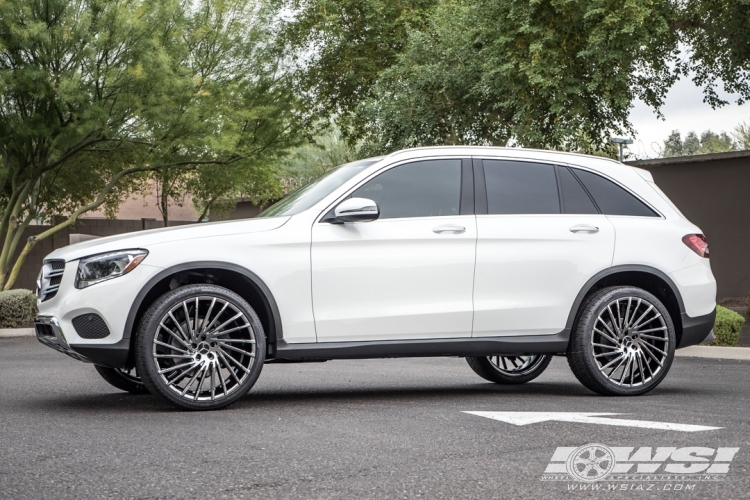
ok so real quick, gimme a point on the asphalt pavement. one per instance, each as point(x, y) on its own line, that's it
point(391, 428)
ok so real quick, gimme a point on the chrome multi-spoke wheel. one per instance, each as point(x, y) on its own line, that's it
point(630, 341)
point(203, 347)
point(623, 342)
point(516, 366)
point(125, 379)
point(511, 369)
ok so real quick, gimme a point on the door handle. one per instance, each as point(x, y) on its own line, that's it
point(449, 229)
point(584, 228)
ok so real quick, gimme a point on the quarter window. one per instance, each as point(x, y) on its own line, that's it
point(515, 187)
point(430, 188)
point(611, 198)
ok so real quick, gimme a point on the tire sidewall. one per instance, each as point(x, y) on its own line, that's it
point(118, 380)
point(146, 365)
point(584, 333)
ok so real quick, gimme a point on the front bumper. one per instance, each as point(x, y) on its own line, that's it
point(50, 333)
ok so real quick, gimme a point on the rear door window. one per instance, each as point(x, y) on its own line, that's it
point(518, 187)
point(575, 199)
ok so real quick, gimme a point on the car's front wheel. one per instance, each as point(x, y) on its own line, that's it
point(623, 342)
point(200, 347)
point(510, 369)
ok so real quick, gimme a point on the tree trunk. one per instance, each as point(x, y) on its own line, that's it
point(19, 263)
point(207, 210)
point(164, 199)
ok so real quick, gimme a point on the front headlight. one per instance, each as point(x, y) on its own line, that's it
point(105, 266)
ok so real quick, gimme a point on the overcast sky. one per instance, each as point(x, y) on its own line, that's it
point(684, 110)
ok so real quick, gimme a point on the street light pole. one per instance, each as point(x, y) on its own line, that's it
point(620, 141)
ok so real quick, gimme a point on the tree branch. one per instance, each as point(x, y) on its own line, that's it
point(207, 209)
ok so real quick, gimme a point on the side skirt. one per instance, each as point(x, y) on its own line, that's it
point(485, 346)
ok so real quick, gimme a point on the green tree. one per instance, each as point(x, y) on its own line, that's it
point(742, 136)
point(549, 73)
point(691, 145)
point(673, 145)
point(711, 142)
point(235, 94)
point(342, 46)
point(216, 189)
point(316, 157)
point(95, 94)
point(708, 142)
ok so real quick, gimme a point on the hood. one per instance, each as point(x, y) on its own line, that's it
point(142, 239)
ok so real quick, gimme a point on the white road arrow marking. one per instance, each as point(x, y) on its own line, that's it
point(532, 417)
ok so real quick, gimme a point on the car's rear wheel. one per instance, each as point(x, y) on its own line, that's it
point(200, 347)
point(125, 380)
point(623, 342)
point(510, 369)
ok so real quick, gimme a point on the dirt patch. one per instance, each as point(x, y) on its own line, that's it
point(732, 301)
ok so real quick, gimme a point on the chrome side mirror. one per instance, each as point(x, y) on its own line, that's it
point(357, 210)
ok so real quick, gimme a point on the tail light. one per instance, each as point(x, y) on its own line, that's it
point(697, 243)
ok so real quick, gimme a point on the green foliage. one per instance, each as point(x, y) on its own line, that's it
point(742, 136)
point(342, 46)
point(312, 159)
point(727, 327)
point(708, 142)
point(95, 95)
point(17, 308)
point(216, 189)
point(715, 32)
point(549, 73)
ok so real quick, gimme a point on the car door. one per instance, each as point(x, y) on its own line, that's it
point(540, 238)
point(407, 275)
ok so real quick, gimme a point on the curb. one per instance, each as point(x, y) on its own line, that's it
point(715, 352)
point(9, 333)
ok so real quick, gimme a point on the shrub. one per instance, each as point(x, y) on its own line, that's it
point(17, 308)
point(727, 327)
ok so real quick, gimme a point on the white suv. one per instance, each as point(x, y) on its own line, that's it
point(502, 256)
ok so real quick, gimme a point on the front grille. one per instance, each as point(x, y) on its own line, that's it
point(50, 278)
point(90, 326)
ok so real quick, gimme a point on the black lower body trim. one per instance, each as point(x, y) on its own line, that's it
point(695, 330)
point(112, 355)
point(484, 346)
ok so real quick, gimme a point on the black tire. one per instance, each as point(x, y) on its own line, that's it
point(127, 381)
point(213, 356)
point(510, 369)
point(632, 347)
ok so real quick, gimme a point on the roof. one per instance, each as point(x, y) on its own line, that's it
point(541, 154)
point(658, 162)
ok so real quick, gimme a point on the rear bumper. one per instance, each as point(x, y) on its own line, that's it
point(50, 333)
point(696, 329)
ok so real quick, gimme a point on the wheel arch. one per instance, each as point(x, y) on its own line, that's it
point(236, 278)
point(648, 278)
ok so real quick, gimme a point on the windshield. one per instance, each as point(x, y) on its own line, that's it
point(309, 194)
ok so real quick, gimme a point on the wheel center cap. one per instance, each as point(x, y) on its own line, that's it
point(203, 348)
